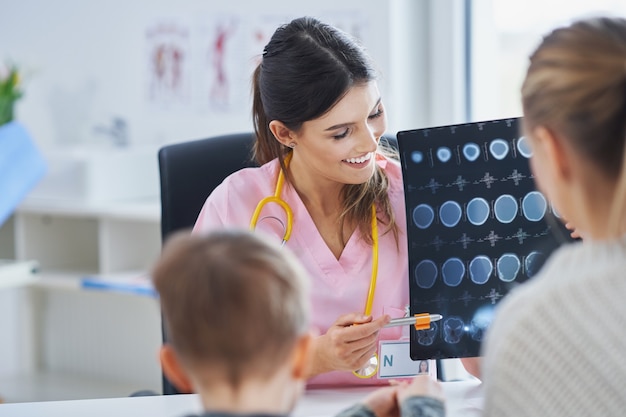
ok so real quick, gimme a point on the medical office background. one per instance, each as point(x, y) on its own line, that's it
point(108, 83)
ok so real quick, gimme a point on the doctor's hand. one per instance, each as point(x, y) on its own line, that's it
point(347, 345)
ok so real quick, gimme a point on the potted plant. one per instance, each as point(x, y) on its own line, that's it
point(21, 163)
point(10, 92)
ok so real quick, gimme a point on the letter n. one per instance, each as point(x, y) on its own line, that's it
point(388, 360)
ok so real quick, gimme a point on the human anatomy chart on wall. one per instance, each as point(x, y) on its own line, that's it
point(202, 63)
point(477, 226)
point(168, 65)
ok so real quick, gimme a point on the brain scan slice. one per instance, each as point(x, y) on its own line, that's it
point(427, 337)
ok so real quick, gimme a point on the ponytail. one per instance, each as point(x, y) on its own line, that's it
point(266, 147)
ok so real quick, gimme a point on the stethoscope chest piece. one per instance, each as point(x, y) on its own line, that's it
point(369, 369)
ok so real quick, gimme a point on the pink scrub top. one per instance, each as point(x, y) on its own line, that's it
point(338, 286)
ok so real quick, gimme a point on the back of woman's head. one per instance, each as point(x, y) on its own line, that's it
point(307, 66)
point(576, 87)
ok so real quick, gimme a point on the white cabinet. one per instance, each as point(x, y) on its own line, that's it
point(61, 340)
point(96, 238)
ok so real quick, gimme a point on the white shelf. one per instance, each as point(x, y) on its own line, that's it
point(103, 238)
point(60, 386)
point(123, 283)
point(69, 281)
point(67, 341)
point(148, 210)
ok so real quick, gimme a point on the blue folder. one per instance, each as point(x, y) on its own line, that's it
point(21, 167)
point(129, 283)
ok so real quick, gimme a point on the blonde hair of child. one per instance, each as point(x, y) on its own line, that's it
point(232, 303)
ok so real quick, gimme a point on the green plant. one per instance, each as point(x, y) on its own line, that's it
point(10, 92)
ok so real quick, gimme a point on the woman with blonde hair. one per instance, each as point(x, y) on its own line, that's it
point(556, 347)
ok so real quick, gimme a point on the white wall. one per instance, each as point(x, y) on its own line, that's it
point(87, 62)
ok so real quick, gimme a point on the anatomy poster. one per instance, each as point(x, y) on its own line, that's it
point(224, 78)
point(203, 63)
point(168, 64)
point(477, 226)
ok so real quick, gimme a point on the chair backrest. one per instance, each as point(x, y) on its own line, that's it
point(189, 171)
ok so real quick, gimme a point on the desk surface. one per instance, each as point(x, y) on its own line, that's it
point(463, 399)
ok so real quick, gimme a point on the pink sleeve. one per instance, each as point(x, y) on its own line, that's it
point(232, 203)
point(214, 212)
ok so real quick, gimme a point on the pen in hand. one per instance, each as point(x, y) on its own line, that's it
point(421, 321)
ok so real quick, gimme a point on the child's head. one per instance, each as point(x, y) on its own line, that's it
point(574, 101)
point(234, 307)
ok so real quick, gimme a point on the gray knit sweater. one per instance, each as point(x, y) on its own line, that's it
point(558, 344)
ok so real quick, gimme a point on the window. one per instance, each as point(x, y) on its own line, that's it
point(503, 34)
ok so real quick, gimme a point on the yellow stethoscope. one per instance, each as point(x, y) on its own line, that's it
point(419, 321)
point(371, 367)
point(276, 199)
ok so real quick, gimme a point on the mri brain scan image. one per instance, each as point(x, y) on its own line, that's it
point(523, 147)
point(427, 337)
point(417, 157)
point(534, 206)
point(426, 274)
point(508, 266)
point(450, 213)
point(423, 216)
point(480, 269)
point(505, 208)
point(453, 330)
point(499, 149)
point(444, 154)
point(453, 271)
point(533, 262)
point(477, 226)
point(478, 211)
point(471, 151)
point(480, 322)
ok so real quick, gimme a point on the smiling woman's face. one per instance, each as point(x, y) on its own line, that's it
point(340, 145)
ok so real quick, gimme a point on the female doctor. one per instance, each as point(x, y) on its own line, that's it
point(335, 198)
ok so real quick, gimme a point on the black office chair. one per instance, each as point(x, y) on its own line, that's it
point(189, 171)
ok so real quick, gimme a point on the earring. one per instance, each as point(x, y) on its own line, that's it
point(292, 145)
